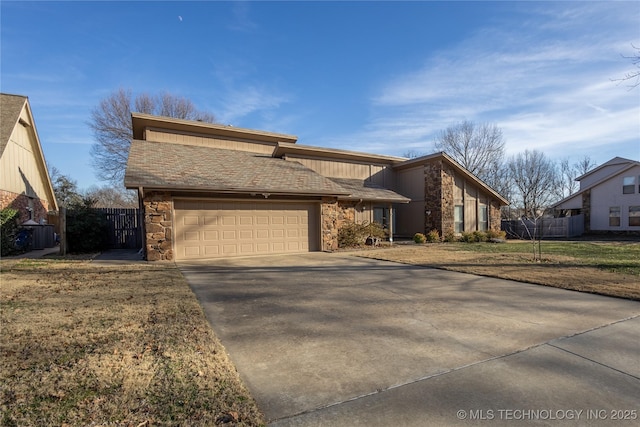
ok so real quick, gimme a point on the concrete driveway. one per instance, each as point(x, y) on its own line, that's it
point(332, 339)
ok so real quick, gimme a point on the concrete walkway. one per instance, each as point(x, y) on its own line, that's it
point(38, 253)
point(330, 339)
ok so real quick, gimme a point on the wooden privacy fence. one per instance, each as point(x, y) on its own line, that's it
point(123, 227)
point(570, 226)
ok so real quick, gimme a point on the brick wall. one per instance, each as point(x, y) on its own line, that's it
point(334, 214)
point(158, 226)
point(21, 202)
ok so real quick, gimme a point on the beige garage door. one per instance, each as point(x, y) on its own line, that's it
point(214, 229)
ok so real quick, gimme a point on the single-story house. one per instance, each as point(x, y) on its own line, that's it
point(209, 190)
point(25, 184)
point(609, 197)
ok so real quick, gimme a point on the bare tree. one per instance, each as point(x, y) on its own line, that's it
point(477, 147)
point(111, 125)
point(570, 172)
point(535, 179)
point(112, 197)
point(583, 166)
point(412, 154)
point(632, 76)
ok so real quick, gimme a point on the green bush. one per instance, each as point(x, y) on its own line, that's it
point(419, 238)
point(433, 236)
point(492, 234)
point(86, 228)
point(8, 230)
point(480, 236)
point(450, 236)
point(352, 234)
point(467, 237)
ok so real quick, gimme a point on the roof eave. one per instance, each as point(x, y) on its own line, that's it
point(244, 191)
point(142, 121)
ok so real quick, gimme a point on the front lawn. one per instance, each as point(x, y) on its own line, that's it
point(607, 268)
point(128, 345)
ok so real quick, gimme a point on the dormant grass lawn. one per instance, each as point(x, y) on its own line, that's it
point(125, 345)
point(606, 268)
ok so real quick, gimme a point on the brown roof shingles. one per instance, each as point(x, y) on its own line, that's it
point(188, 167)
point(10, 108)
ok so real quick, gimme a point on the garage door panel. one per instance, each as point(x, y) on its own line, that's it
point(229, 235)
point(210, 220)
point(191, 220)
point(210, 229)
point(191, 236)
point(210, 235)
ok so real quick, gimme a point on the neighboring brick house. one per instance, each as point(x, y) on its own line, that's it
point(211, 191)
point(24, 180)
point(609, 198)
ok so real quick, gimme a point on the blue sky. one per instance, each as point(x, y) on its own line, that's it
point(382, 77)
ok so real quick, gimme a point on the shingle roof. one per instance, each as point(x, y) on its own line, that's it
point(364, 190)
point(188, 167)
point(10, 108)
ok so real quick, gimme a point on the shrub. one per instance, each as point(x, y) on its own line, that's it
point(8, 230)
point(419, 238)
point(450, 236)
point(433, 236)
point(86, 228)
point(352, 234)
point(493, 235)
point(467, 237)
point(479, 236)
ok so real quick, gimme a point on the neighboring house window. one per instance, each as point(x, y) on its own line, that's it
point(628, 185)
point(614, 216)
point(483, 220)
point(458, 218)
point(634, 216)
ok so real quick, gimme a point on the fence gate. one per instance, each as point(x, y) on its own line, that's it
point(123, 228)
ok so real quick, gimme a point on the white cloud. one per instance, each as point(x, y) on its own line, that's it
point(239, 102)
point(551, 92)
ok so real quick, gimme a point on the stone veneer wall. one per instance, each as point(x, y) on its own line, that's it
point(447, 206)
point(20, 202)
point(433, 197)
point(438, 196)
point(495, 216)
point(158, 226)
point(334, 214)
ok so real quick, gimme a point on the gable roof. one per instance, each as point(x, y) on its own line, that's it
point(613, 162)
point(451, 161)
point(309, 151)
point(617, 160)
point(140, 122)
point(10, 109)
point(196, 168)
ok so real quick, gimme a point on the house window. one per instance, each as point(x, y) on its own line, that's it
point(458, 218)
point(614, 216)
point(483, 218)
point(628, 185)
point(634, 216)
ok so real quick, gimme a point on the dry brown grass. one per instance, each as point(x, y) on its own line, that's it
point(555, 270)
point(88, 344)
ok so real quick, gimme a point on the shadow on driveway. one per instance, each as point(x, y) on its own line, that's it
point(332, 339)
